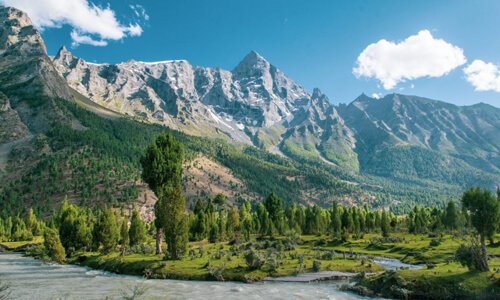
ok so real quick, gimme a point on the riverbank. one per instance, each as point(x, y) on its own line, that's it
point(31, 279)
point(315, 258)
point(224, 262)
point(443, 281)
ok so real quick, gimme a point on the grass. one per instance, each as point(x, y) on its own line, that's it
point(21, 244)
point(220, 256)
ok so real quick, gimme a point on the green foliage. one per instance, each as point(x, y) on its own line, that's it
point(137, 231)
point(484, 211)
point(74, 229)
point(124, 234)
point(162, 171)
point(253, 260)
point(316, 267)
point(106, 232)
point(53, 246)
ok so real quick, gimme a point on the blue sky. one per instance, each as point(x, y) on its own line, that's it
point(316, 43)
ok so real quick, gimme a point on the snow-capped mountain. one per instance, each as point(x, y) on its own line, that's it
point(254, 103)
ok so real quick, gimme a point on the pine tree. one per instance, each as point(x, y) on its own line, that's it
point(233, 222)
point(106, 232)
point(137, 231)
point(53, 246)
point(274, 207)
point(124, 237)
point(385, 224)
point(451, 216)
point(162, 171)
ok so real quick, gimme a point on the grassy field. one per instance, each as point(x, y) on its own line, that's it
point(21, 244)
point(228, 262)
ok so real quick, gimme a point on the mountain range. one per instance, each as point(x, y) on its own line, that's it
point(372, 144)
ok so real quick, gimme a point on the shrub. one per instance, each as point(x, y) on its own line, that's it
point(435, 242)
point(253, 259)
point(316, 266)
point(469, 255)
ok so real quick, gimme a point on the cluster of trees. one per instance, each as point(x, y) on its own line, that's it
point(73, 229)
point(20, 229)
point(215, 221)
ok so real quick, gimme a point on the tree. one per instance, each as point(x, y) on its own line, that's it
point(484, 211)
point(233, 222)
point(451, 216)
point(106, 232)
point(385, 224)
point(137, 231)
point(263, 219)
point(32, 223)
point(176, 225)
point(73, 228)
point(220, 200)
point(162, 171)
point(274, 206)
point(124, 237)
point(53, 245)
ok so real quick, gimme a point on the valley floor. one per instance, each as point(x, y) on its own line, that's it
point(439, 278)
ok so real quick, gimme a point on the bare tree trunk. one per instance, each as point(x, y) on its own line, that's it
point(484, 256)
point(159, 236)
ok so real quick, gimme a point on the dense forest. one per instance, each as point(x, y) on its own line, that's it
point(97, 163)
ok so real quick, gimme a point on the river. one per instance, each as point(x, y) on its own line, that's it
point(31, 279)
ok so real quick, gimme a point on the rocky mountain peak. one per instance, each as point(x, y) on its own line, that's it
point(18, 33)
point(253, 65)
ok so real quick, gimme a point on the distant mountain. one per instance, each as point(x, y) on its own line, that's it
point(401, 135)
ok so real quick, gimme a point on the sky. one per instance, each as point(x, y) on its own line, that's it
point(444, 50)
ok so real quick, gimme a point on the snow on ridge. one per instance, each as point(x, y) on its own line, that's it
point(162, 62)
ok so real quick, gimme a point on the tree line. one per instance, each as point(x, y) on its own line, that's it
point(73, 228)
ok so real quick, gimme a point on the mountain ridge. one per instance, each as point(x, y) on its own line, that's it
point(369, 148)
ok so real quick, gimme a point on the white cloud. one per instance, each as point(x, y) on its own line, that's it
point(483, 76)
point(139, 11)
point(85, 39)
point(92, 24)
point(417, 56)
point(377, 95)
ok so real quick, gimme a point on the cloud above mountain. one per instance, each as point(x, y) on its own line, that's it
point(483, 76)
point(417, 56)
point(92, 24)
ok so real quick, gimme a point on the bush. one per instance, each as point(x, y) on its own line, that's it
point(469, 255)
point(272, 263)
point(253, 259)
point(435, 242)
point(321, 242)
point(316, 266)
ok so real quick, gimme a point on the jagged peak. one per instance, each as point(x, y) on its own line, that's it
point(252, 60)
point(317, 93)
point(63, 52)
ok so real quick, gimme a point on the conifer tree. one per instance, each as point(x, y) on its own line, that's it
point(53, 246)
point(124, 233)
point(137, 231)
point(162, 171)
point(106, 231)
